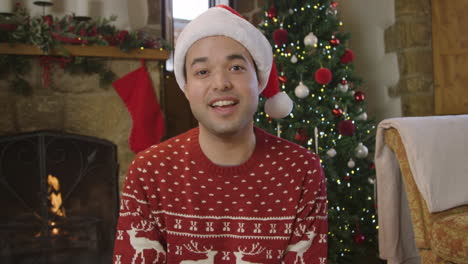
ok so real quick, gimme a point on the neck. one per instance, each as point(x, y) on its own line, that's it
point(228, 150)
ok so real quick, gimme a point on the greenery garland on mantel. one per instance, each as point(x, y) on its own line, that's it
point(53, 33)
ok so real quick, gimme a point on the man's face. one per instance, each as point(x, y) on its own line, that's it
point(222, 86)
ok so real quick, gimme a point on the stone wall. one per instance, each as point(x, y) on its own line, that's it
point(411, 38)
point(74, 104)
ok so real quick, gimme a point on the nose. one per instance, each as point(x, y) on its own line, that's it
point(221, 81)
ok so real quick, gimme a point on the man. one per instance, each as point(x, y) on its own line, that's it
point(226, 191)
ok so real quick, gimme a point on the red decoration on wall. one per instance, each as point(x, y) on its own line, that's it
point(347, 57)
point(359, 96)
point(280, 36)
point(346, 128)
point(323, 76)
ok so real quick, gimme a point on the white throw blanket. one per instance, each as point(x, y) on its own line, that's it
point(437, 150)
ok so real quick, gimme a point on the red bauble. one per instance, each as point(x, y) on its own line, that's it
point(359, 238)
point(346, 128)
point(323, 76)
point(334, 4)
point(283, 79)
point(347, 57)
point(347, 178)
point(301, 136)
point(334, 42)
point(359, 96)
point(372, 166)
point(280, 36)
point(344, 81)
point(272, 12)
point(337, 112)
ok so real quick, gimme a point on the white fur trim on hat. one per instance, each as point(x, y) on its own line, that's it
point(218, 21)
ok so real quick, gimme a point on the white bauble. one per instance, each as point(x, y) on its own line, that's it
point(301, 91)
point(331, 152)
point(291, 11)
point(362, 116)
point(294, 59)
point(343, 87)
point(361, 151)
point(371, 181)
point(310, 39)
point(351, 163)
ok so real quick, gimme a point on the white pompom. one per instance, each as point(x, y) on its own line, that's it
point(293, 59)
point(279, 105)
point(343, 87)
point(310, 39)
point(301, 91)
point(361, 151)
point(362, 116)
point(331, 152)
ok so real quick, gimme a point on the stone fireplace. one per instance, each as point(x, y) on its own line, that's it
point(97, 125)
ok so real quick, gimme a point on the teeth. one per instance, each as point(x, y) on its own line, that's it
point(223, 103)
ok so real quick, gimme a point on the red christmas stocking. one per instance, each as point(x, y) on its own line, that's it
point(136, 90)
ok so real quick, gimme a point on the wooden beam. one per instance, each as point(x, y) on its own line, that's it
point(87, 51)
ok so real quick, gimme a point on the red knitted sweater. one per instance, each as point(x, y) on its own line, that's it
point(179, 207)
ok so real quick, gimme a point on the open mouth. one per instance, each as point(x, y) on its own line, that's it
point(224, 103)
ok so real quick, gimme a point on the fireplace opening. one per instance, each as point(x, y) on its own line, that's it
point(58, 198)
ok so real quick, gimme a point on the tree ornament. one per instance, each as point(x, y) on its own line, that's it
point(283, 79)
point(272, 12)
point(346, 128)
point(347, 178)
point(362, 116)
point(323, 76)
point(301, 136)
point(294, 59)
point(301, 91)
point(347, 57)
point(280, 36)
point(343, 87)
point(359, 238)
point(371, 180)
point(334, 41)
point(344, 81)
point(361, 151)
point(291, 11)
point(332, 9)
point(337, 112)
point(359, 96)
point(351, 164)
point(331, 152)
point(310, 39)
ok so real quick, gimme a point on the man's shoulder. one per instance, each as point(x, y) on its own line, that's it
point(171, 147)
point(277, 144)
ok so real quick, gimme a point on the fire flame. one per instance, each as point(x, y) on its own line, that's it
point(55, 196)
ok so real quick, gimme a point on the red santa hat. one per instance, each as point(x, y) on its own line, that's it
point(222, 20)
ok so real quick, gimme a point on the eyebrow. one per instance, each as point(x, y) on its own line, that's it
point(229, 57)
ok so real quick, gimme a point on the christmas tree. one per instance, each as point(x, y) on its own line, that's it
point(329, 117)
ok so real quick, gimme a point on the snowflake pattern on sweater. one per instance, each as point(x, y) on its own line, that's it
point(179, 207)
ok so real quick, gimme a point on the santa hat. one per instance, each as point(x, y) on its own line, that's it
point(222, 20)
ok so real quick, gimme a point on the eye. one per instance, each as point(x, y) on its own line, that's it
point(201, 72)
point(237, 68)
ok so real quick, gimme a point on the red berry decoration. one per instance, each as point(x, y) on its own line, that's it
point(359, 96)
point(334, 42)
point(347, 178)
point(334, 4)
point(280, 36)
point(283, 79)
point(301, 136)
point(323, 76)
point(359, 238)
point(347, 57)
point(346, 128)
point(337, 112)
point(344, 81)
point(272, 12)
